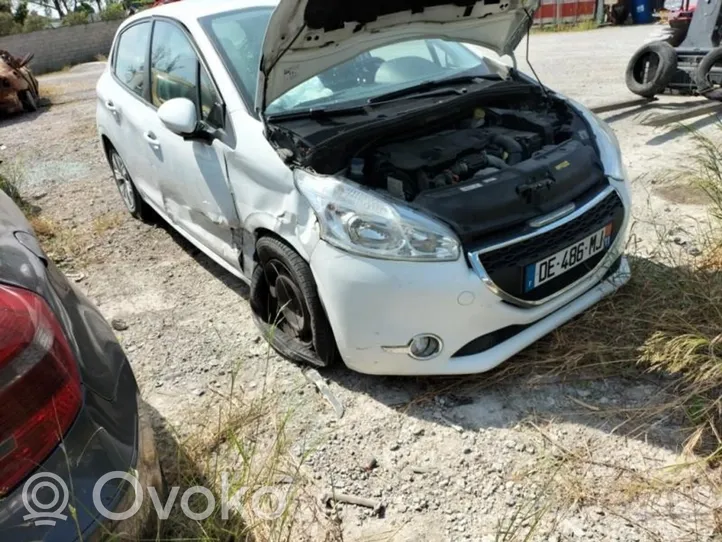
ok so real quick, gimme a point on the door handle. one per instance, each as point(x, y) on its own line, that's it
point(151, 139)
point(110, 106)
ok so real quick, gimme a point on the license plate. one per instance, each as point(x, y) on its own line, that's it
point(549, 268)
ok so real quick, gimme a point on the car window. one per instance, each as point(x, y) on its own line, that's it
point(238, 38)
point(382, 70)
point(211, 111)
point(174, 65)
point(130, 56)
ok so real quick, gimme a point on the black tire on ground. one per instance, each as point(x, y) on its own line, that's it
point(28, 100)
point(703, 69)
point(129, 194)
point(651, 68)
point(309, 339)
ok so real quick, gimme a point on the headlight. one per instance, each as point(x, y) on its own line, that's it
point(609, 151)
point(358, 221)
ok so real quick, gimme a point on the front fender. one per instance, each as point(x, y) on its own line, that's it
point(295, 223)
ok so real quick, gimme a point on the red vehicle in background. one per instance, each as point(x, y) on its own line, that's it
point(680, 17)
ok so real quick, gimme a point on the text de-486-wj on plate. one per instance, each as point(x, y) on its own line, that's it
point(551, 267)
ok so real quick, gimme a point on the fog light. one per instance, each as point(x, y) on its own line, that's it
point(425, 346)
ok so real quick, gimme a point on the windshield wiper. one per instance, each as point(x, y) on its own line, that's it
point(421, 88)
point(318, 113)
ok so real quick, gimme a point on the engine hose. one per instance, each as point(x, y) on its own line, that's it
point(495, 161)
point(510, 146)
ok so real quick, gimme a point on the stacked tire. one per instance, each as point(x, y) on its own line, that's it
point(651, 69)
point(701, 75)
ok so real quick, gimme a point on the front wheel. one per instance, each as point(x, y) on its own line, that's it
point(130, 196)
point(286, 305)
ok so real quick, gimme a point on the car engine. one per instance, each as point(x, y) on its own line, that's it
point(495, 170)
point(482, 166)
point(494, 139)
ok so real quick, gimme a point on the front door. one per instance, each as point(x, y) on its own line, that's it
point(192, 174)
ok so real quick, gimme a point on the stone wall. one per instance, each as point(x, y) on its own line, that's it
point(56, 48)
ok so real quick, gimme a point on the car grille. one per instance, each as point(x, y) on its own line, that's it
point(505, 266)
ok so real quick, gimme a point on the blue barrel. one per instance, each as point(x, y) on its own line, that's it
point(642, 11)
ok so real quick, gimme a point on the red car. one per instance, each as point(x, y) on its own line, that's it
point(680, 17)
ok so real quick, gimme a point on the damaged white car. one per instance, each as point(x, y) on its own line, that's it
point(396, 199)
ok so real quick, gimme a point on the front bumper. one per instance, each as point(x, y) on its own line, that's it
point(372, 304)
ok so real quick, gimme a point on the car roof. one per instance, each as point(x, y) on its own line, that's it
point(191, 10)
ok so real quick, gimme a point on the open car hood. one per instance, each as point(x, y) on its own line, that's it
point(306, 37)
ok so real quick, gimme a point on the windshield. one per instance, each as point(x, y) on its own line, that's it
point(238, 37)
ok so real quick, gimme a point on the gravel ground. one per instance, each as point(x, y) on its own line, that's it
point(459, 459)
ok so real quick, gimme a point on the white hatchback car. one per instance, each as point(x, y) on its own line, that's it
point(392, 196)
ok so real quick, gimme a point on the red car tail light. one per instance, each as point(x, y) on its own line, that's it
point(40, 392)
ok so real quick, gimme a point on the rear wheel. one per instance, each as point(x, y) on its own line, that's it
point(128, 193)
point(287, 307)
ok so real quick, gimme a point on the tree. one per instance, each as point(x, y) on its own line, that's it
point(84, 7)
point(35, 22)
point(49, 6)
point(76, 17)
point(21, 13)
point(113, 12)
point(7, 20)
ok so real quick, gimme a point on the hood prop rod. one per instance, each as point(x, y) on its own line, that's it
point(528, 34)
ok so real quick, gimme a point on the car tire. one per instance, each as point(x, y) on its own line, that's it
point(286, 305)
point(651, 69)
point(129, 194)
point(703, 84)
point(28, 100)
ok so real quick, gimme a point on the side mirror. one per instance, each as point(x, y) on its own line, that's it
point(179, 116)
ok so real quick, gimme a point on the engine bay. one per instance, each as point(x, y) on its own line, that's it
point(493, 139)
point(482, 163)
point(497, 168)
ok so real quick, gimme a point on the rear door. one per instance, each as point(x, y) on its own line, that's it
point(191, 174)
point(121, 106)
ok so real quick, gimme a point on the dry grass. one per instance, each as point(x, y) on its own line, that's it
point(247, 437)
point(102, 224)
point(667, 322)
point(12, 179)
point(52, 93)
point(43, 227)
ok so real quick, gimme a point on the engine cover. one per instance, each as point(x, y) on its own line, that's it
point(432, 152)
point(508, 197)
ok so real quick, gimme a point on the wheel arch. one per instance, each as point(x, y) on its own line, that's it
point(107, 145)
point(262, 224)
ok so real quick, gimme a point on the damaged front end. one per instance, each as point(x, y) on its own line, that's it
point(19, 90)
point(488, 173)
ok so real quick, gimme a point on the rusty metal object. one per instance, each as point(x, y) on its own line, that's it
point(19, 89)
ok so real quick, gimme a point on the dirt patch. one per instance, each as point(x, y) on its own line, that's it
point(683, 194)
